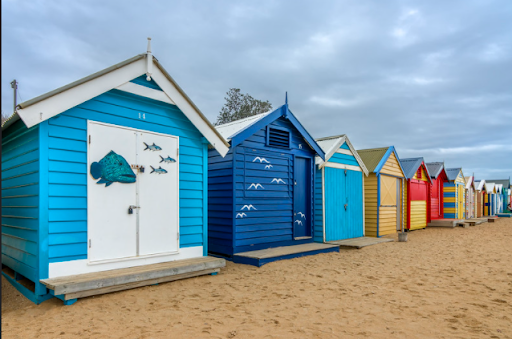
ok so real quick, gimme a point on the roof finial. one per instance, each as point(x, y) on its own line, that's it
point(149, 58)
point(286, 99)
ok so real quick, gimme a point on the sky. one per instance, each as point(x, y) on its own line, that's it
point(432, 78)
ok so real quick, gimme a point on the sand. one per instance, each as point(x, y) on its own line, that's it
point(442, 283)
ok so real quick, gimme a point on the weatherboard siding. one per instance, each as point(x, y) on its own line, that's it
point(370, 204)
point(392, 167)
point(20, 199)
point(318, 228)
point(67, 161)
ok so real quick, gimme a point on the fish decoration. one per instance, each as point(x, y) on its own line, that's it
point(112, 168)
point(152, 147)
point(167, 160)
point(158, 170)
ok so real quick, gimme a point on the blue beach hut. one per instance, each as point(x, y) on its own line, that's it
point(339, 187)
point(260, 198)
point(104, 185)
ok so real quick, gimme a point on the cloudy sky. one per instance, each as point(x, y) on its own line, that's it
point(432, 78)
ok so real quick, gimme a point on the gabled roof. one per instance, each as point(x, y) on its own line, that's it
point(118, 76)
point(480, 185)
point(499, 188)
point(490, 187)
point(435, 168)
point(504, 182)
point(238, 131)
point(452, 173)
point(411, 165)
point(375, 158)
point(470, 181)
point(332, 144)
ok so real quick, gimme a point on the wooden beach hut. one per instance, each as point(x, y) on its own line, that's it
point(438, 176)
point(105, 185)
point(261, 194)
point(470, 197)
point(416, 193)
point(454, 194)
point(339, 205)
point(491, 199)
point(481, 193)
point(504, 189)
point(383, 197)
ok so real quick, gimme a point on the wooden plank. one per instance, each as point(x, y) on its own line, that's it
point(88, 281)
point(135, 284)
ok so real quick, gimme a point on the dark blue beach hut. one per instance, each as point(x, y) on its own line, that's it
point(104, 185)
point(260, 197)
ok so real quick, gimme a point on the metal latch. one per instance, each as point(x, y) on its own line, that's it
point(131, 208)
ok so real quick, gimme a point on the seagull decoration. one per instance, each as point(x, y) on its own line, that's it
point(268, 166)
point(241, 215)
point(302, 215)
point(298, 222)
point(261, 160)
point(248, 207)
point(255, 186)
point(278, 180)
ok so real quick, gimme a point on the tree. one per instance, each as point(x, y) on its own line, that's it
point(239, 105)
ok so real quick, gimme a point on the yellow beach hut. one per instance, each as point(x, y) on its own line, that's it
point(454, 194)
point(383, 197)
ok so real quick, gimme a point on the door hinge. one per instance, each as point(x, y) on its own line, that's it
point(178, 235)
point(90, 242)
point(178, 151)
point(89, 139)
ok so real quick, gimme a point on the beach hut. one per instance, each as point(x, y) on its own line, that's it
point(438, 176)
point(416, 193)
point(504, 187)
point(105, 185)
point(499, 198)
point(481, 197)
point(383, 197)
point(339, 205)
point(470, 197)
point(454, 194)
point(490, 203)
point(260, 206)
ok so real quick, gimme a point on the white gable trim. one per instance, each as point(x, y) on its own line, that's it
point(51, 106)
point(144, 91)
point(343, 166)
point(54, 105)
point(344, 151)
point(336, 149)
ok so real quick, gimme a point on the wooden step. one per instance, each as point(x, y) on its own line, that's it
point(83, 285)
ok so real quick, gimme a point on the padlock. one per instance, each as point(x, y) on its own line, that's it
point(130, 210)
point(141, 169)
point(346, 207)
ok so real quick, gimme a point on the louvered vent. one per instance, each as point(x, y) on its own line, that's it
point(278, 138)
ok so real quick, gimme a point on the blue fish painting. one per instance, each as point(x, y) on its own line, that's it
point(112, 168)
point(167, 160)
point(158, 170)
point(152, 147)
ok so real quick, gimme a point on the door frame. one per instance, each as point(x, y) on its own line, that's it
point(137, 257)
point(309, 230)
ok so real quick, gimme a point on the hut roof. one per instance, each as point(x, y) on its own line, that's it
point(435, 168)
point(452, 173)
point(372, 157)
point(331, 144)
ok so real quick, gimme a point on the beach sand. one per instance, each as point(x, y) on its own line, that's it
point(442, 283)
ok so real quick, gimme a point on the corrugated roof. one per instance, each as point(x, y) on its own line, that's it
point(410, 166)
point(452, 173)
point(231, 128)
point(434, 168)
point(328, 142)
point(372, 157)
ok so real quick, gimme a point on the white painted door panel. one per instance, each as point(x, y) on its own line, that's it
point(112, 231)
point(158, 193)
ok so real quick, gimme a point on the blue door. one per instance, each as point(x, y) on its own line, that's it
point(302, 198)
point(343, 204)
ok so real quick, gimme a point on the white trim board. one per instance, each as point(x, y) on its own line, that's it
point(66, 268)
point(144, 91)
point(342, 166)
point(344, 151)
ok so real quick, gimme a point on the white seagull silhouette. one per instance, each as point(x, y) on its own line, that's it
point(268, 166)
point(261, 160)
point(302, 214)
point(278, 180)
point(248, 207)
point(241, 215)
point(255, 186)
point(298, 222)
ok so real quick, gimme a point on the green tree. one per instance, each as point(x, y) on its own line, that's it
point(239, 105)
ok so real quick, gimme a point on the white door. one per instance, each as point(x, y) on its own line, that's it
point(112, 231)
point(158, 193)
point(115, 184)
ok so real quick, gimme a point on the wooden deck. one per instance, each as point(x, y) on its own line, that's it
point(70, 288)
point(474, 221)
point(446, 223)
point(262, 257)
point(360, 242)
